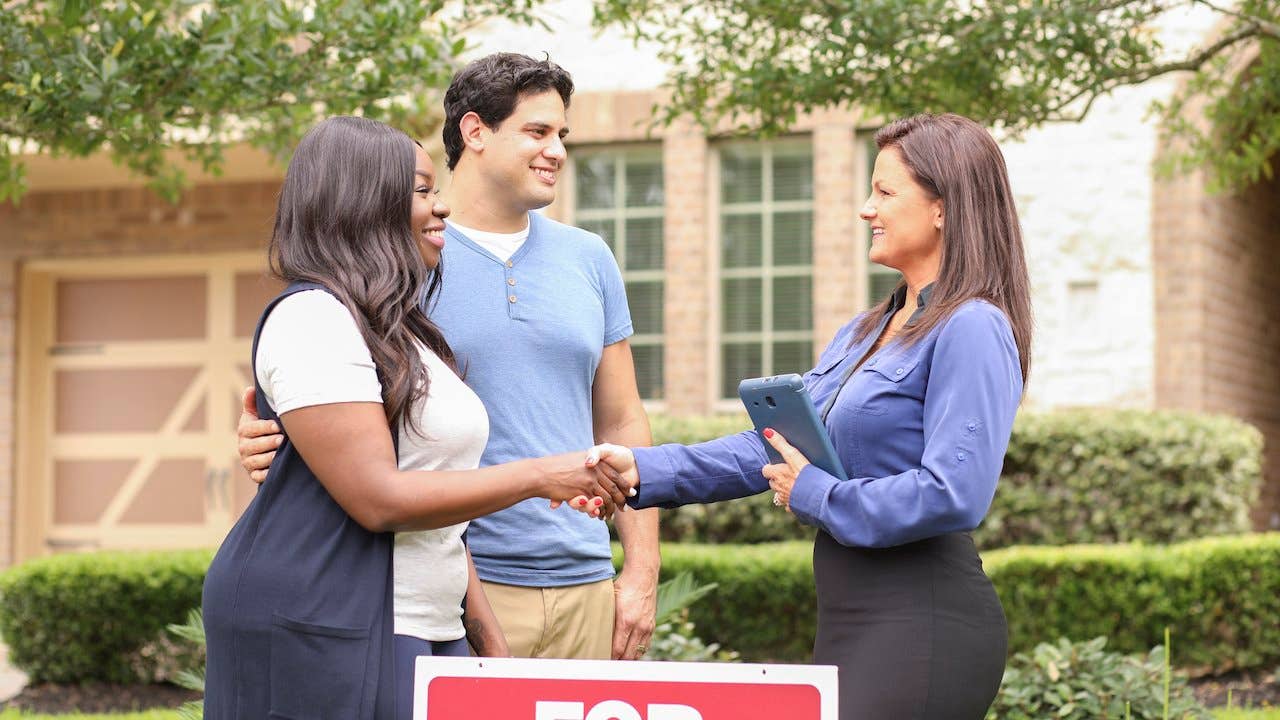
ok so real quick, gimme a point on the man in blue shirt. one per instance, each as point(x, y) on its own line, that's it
point(536, 314)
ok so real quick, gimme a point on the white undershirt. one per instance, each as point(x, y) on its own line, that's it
point(500, 245)
point(311, 353)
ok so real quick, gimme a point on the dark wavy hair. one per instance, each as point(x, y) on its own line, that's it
point(343, 221)
point(954, 159)
point(491, 87)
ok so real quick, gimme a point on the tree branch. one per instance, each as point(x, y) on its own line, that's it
point(1191, 64)
point(1265, 26)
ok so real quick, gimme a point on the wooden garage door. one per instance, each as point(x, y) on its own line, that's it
point(131, 373)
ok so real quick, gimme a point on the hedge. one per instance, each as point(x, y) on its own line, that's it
point(97, 616)
point(1219, 596)
point(1095, 476)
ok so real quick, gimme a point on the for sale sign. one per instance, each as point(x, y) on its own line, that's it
point(510, 689)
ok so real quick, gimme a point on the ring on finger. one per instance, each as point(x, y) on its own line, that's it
point(641, 650)
point(777, 500)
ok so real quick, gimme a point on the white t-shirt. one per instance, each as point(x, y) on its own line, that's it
point(311, 353)
point(501, 245)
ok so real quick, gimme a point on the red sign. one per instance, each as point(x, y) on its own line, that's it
point(466, 688)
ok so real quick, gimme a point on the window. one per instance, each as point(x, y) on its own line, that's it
point(880, 280)
point(619, 196)
point(766, 261)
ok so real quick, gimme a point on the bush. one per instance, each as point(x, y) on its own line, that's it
point(1123, 475)
point(1221, 597)
point(97, 616)
point(1082, 681)
point(1099, 476)
point(763, 605)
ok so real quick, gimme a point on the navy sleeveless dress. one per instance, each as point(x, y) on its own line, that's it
point(297, 602)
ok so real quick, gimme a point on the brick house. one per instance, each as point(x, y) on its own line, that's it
point(125, 321)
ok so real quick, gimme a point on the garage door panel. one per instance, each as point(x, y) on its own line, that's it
point(198, 421)
point(253, 292)
point(136, 368)
point(82, 489)
point(173, 493)
point(97, 310)
point(119, 400)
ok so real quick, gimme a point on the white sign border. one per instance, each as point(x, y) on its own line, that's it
point(822, 677)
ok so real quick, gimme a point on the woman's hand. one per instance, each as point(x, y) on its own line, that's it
point(569, 477)
point(617, 464)
point(782, 476)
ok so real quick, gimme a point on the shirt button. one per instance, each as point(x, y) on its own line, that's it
point(511, 298)
point(972, 426)
point(898, 371)
point(960, 456)
point(510, 264)
point(511, 281)
point(872, 361)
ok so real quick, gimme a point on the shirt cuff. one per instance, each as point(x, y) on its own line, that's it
point(657, 478)
point(809, 494)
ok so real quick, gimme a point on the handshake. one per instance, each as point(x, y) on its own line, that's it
point(597, 485)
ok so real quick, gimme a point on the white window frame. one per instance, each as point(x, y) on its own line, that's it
point(619, 214)
point(765, 208)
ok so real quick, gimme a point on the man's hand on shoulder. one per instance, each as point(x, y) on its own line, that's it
point(257, 439)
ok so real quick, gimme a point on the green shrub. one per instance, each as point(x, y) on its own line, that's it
point(763, 605)
point(1123, 475)
point(1083, 681)
point(1099, 476)
point(97, 616)
point(1220, 596)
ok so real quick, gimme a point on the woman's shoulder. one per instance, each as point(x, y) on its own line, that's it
point(311, 318)
point(976, 321)
point(309, 307)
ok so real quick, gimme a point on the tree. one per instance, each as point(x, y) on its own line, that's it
point(139, 77)
point(1013, 64)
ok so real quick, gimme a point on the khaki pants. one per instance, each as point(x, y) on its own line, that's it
point(558, 622)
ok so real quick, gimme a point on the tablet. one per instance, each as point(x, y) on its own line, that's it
point(781, 402)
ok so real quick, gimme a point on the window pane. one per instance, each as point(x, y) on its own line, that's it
point(793, 238)
point(881, 285)
point(793, 177)
point(644, 244)
point(595, 174)
point(603, 228)
point(648, 360)
point(644, 183)
point(740, 305)
point(741, 177)
point(792, 303)
point(792, 357)
point(740, 241)
point(738, 361)
point(645, 300)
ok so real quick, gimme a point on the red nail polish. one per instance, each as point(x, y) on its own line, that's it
point(768, 432)
point(598, 502)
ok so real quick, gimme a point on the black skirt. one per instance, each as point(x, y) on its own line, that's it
point(916, 630)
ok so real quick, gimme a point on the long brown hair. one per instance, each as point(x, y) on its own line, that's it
point(955, 160)
point(343, 221)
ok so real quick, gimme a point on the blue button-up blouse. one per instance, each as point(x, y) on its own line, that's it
point(921, 431)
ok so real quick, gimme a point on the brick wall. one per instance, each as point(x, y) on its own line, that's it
point(86, 223)
point(1218, 331)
